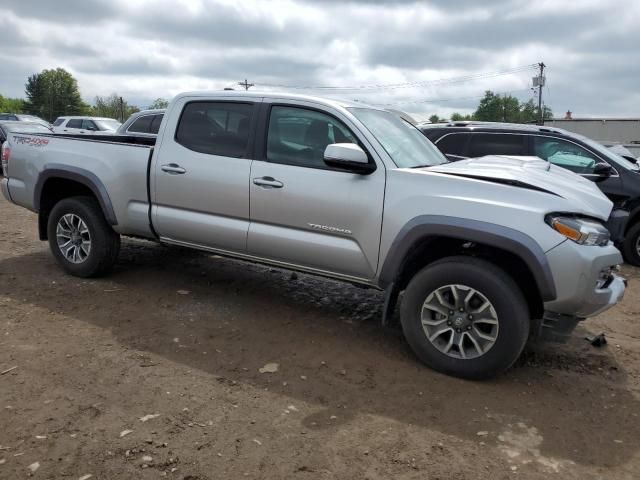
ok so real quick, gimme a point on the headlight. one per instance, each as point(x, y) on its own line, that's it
point(581, 230)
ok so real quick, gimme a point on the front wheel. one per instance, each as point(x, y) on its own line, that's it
point(631, 245)
point(80, 238)
point(465, 317)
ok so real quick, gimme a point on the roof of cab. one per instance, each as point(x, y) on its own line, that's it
point(332, 102)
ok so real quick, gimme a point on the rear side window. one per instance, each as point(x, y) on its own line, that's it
point(155, 124)
point(482, 144)
point(453, 143)
point(8, 117)
point(74, 123)
point(58, 122)
point(141, 124)
point(215, 128)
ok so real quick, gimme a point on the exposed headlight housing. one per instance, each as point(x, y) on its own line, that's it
point(584, 231)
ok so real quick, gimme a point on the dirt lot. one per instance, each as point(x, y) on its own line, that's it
point(183, 335)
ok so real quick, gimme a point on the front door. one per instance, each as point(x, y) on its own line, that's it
point(201, 175)
point(304, 213)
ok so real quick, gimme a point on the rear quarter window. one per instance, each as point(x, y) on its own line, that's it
point(58, 122)
point(453, 143)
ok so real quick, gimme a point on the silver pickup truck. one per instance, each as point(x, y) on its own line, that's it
point(484, 253)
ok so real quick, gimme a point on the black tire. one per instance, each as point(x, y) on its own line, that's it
point(487, 279)
point(630, 245)
point(105, 243)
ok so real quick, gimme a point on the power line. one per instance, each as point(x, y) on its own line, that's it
point(392, 86)
point(440, 100)
point(246, 84)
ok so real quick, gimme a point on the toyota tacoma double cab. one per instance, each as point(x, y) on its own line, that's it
point(481, 254)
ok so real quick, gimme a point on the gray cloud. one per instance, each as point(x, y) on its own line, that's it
point(147, 49)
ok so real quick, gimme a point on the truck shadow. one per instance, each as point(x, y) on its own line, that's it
point(178, 304)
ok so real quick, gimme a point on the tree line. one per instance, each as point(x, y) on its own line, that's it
point(501, 108)
point(54, 93)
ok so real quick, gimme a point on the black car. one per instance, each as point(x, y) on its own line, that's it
point(617, 177)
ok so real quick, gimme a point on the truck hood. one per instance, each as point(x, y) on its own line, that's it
point(533, 173)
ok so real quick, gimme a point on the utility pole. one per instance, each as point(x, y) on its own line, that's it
point(540, 82)
point(246, 84)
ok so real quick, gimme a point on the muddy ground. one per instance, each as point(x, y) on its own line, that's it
point(184, 335)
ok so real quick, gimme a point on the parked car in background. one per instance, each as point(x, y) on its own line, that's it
point(143, 124)
point(23, 117)
point(85, 125)
point(487, 252)
point(617, 177)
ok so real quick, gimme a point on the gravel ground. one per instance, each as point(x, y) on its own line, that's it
point(159, 371)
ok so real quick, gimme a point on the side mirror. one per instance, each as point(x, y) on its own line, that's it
point(91, 129)
point(348, 157)
point(602, 170)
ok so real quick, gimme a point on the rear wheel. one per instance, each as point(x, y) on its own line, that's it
point(465, 317)
point(631, 245)
point(80, 238)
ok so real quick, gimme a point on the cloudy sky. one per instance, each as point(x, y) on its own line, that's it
point(430, 56)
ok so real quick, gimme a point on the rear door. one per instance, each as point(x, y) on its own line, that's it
point(304, 213)
point(201, 172)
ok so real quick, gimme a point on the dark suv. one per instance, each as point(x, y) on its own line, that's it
point(617, 177)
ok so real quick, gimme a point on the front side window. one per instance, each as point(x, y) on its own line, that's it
point(215, 128)
point(141, 124)
point(482, 144)
point(74, 123)
point(89, 125)
point(564, 154)
point(299, 136)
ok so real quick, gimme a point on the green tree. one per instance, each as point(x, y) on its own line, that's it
point(529, 112)
point(52, 93)
point(507, 108)
point(435, 119)
point(457, 117)
point(159, 103)
point(11, 105)
point(496, 108)
point(113, 106)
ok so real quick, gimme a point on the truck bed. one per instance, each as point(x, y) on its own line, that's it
point(117, 166)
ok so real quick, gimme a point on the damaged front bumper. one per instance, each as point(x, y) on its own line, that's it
point(586, 284)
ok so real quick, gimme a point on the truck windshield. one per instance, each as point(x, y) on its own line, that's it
point(404, 143)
